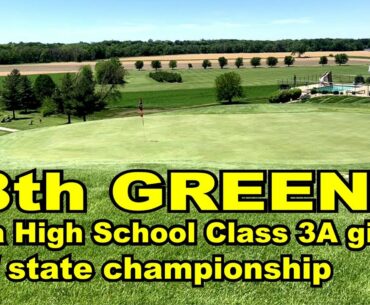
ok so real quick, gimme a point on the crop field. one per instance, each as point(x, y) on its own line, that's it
point(185, 128)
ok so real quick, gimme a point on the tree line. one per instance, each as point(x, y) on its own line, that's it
point(17, 53)
point(340, 59)
point(78, 94)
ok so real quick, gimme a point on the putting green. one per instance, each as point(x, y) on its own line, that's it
point(266, 139)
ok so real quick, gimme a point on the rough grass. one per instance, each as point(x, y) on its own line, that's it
point(349, 286)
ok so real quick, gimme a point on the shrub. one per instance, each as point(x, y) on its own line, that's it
point(367, 81)
point(295, 93)
point(190, 66)
point(359, 79)
point(48, 107)
point(166, 77)
point(314, 91)
point(325, 92)
point(285, 96)
point(336, 92)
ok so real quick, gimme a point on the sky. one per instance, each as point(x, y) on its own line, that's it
point(92, 20)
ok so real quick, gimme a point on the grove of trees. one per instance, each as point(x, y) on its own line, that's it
point(35, 52)
point(77, 94)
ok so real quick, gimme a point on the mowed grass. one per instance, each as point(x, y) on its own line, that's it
point(300, 135)
point(200, 78)
point(189, 97)
point(350, 284)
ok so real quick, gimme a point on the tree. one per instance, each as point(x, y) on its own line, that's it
point(110, 72)
point(27, 98)
point(156, 64)
point(85, 99)
point(139, 65)
point(172, 64)
point(299, 49)
point(289, 60)
point(206, 64)
point(272, 61)
point(239, 62)
point(256, 61)
point(228, 86)
point(10, 92)
point(323, 61)
point(222, 61)
point(341, 59)
point(67, 98)
point(43, 87)
point(190, 65)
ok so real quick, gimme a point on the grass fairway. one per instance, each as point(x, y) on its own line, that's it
point(274, 135)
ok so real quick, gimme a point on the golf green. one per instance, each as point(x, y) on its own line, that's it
point(220, 140)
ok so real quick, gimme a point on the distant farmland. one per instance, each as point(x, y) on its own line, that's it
point(309, 59)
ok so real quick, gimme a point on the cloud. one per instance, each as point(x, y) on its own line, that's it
point(303, 20)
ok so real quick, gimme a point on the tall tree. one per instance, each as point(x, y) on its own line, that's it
point(172, 64)
point(256, 61)
point(222, 61)
point(10, 92)
point(239, 62)
point(206, 64)
point(156, 64)
point(139, 65)
point(272, 61)
point(27, 98)
point(229, 86)
point(67, 97)
point(289, 60)
point(323, 60)
point(341, 59)
point(299, 49)
point(84, 95)
point(109, 75)
point(43, 87)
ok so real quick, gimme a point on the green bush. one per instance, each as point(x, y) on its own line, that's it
point(168, 77)
point(314, 91)
point(336, 92)
point(285, 96)
point(48, 107)
point(325, 92)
